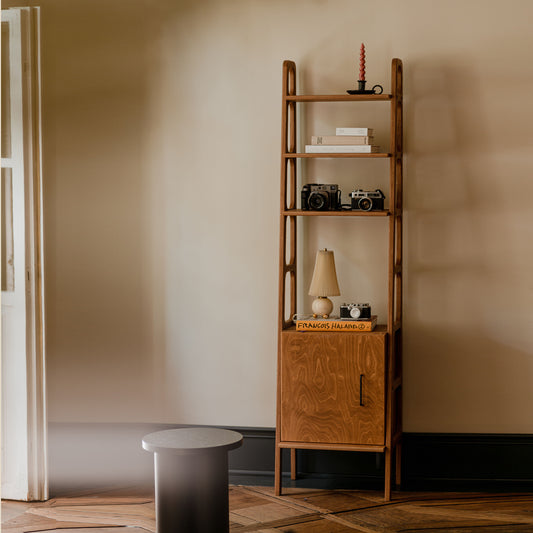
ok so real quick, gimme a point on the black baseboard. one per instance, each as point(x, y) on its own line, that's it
point(94, 455)
point(491, 462)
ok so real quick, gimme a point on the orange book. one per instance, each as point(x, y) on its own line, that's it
point(335, 324)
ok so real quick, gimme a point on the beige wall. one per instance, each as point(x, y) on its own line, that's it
point(161, 167)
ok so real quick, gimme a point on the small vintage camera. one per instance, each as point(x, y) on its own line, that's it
point(319, 197)
point(355, 311)
point(367, 200)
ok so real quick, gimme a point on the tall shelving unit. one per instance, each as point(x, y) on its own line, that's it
point(339, 390)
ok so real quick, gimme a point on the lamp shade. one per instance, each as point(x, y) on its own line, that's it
point(324, 282)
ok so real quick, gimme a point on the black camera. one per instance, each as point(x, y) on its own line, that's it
point(319, 197)
point(355, 311)
point(367, 200)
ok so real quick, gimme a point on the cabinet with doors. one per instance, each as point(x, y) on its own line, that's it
point(339, 390)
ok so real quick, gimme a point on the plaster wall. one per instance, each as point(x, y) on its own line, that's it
point(161, 126)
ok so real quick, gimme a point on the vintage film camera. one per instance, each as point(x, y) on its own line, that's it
point(367, 200)
point(319, 197)
point(355, 311)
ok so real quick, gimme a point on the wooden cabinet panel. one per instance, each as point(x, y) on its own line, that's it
point(333, 387)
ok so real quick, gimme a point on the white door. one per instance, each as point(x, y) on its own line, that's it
point(23, 421)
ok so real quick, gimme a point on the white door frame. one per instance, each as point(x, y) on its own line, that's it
point(24, 432)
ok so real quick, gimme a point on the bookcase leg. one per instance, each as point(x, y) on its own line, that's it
point(294, 468)
point(388, 473)
point(398, 464)
point(277, 472)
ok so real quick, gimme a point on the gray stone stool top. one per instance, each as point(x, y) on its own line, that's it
point(191, 440)
point(191, 478)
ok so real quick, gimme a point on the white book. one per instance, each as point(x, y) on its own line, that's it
point(341, 139)
point(354, 131)
point(339, 149)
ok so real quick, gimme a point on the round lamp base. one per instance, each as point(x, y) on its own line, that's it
point(322, 306)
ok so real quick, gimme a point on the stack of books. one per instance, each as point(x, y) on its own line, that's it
point(346, 140)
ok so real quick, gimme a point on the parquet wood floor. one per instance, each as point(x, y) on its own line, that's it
point(256, 509)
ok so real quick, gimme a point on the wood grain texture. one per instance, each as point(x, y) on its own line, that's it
point(333, 387)
point(257, 509)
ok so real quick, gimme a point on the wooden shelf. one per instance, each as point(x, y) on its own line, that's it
point(339, 97)
point(339, 390)
point(347, 213)
point(340, 447)
point(380, 155)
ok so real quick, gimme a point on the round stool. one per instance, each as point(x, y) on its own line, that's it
point(191, 478)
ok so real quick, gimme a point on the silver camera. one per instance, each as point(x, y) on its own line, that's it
point(355, 311)
point(367, 200)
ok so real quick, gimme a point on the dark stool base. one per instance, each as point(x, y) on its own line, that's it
point(191, 492)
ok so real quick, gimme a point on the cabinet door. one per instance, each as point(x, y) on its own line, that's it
point(333, 387)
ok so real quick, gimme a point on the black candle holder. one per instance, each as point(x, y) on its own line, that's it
point(376, 89)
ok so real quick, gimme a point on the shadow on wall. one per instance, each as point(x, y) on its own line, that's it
point(93, 456)
point(104, 272)
point(88, 456)
point(467, 381)
point(466, 298)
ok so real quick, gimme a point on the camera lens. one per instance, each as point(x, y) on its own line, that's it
point(365, 204)
point(316, 201)
point(355, 312)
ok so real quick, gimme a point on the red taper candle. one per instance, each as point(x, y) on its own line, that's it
point(362, 63)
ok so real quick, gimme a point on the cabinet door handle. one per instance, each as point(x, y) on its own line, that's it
point(361, 376)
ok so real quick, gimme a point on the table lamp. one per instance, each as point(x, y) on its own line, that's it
point(324, 283)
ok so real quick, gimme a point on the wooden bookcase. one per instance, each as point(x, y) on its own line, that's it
point(339, 390)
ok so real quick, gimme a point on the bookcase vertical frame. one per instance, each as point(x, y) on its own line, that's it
point(287, 265)
point(399, 260)
point(393, 422)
